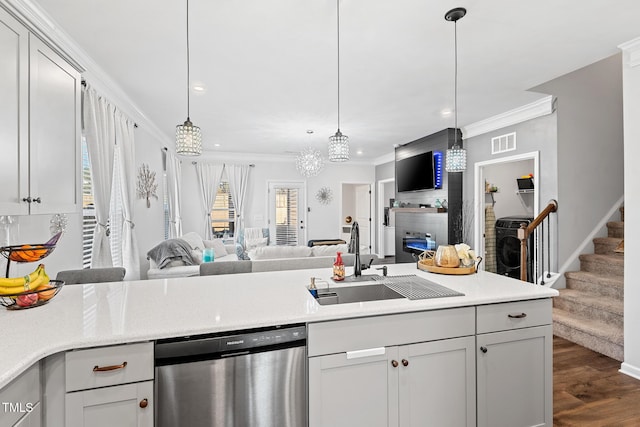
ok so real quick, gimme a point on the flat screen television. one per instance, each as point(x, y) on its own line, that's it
point(416, 173)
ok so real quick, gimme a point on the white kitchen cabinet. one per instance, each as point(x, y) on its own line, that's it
point(389, 241)
point(20, 400)
point(375, 380)
point(109, 386)
point(123, 405)
point(40, 168)
point(514, 365)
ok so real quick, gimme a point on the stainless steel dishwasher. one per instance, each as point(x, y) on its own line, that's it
point(247, 378)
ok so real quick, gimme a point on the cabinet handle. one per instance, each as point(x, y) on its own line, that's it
point(405, 362)
point(518, 316)
point(27, 199)
point(36, 200)
point(144, 403)
point(109, 368)
point(394, 363)
point(484, 349)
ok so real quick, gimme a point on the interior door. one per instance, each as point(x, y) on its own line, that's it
point(363, 216)
point(287, 218)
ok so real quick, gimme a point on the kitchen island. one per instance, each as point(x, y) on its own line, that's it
point(97, 315)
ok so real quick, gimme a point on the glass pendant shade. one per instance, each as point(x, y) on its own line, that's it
point(309, 162)
point(188, 139)
point(338, 147)
point(456, 160)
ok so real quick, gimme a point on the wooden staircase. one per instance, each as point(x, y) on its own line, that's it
point(589, 311)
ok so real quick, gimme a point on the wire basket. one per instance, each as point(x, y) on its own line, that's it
point(27, 253)
point(33, 298)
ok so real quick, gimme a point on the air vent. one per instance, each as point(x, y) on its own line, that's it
point(503, 143)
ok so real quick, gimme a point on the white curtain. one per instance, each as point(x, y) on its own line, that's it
point(238, 176)
point(209, 176)
point(174, 195)
point(99, 132)
point(126, 146)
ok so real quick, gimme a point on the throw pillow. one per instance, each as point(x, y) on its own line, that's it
point(194, 240)
point(255, 243)
point(218, 247)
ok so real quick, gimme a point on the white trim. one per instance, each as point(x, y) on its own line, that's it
point(632, 48)
point(589, 239)
point(630, 370)
point(539, 108)
point(478, 191)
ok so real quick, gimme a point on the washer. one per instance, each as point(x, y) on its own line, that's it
point(508, 246)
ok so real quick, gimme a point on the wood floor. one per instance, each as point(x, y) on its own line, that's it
point(588, 390)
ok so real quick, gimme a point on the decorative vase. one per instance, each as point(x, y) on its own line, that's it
point(447, 256)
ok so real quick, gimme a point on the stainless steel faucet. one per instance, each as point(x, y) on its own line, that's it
point(355, 240)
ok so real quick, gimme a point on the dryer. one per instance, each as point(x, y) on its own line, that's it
point(508, 246)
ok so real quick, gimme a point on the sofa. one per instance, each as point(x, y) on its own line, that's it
point(187, 260)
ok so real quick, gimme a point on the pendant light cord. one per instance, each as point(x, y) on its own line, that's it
point(338, 32)
point(188, 67)
point(455, 79)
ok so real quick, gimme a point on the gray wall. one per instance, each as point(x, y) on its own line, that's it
point(590, 148)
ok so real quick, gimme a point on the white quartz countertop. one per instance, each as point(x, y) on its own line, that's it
point(82, 316)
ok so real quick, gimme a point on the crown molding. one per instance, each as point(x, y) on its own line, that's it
point(632, 51)
point(43, 25)
point(539, 108)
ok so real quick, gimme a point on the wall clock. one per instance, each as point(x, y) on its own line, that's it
point(324, 195)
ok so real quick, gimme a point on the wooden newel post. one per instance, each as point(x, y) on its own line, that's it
point(522, 235)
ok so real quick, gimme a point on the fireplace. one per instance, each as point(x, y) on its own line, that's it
point(413, 244)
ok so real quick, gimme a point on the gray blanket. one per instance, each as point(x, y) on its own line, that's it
point(171, 250)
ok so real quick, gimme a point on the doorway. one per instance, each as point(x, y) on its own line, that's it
point(386, 222)
point(357, 205)
point(495, 181)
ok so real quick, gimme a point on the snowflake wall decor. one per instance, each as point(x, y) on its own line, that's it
point(324, 195)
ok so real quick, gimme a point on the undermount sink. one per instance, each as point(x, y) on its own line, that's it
point(349, 294)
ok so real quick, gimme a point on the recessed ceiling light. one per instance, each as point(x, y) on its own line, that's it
point(216, 145)
point(446, 112)
point(199, 87)
point(359, 152)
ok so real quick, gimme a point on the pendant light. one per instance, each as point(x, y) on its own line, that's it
point(309, 162)
point(456, 160)
point(188, 136)
point(338, 143)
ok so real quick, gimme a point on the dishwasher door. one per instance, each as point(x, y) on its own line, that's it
point(265, 388)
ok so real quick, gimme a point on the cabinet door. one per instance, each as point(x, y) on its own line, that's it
point(14, 104)
point(54, 145)
point(120, 406)
point(349, 390)
point(32, 419)
point(437, 383)
point(514, 374)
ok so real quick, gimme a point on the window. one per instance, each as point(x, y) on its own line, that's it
point(88, 210)
point(223, 213)
point(286, 216)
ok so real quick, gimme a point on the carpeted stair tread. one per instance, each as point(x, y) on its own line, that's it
point(607, 285)
point(589, 333)
point(598, 302)
point(606, 245)
point(615, 229)
point(603, 264)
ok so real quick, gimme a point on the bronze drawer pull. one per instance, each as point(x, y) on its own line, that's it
point(405, 362)
point(394, 363)
point(144, 403)
point(109, 368)
point(518, 316)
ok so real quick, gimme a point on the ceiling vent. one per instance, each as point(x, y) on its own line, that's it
point(503, 143)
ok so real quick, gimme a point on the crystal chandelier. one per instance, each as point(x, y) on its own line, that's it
point(309, 162)
point(338, 143)
point(456, 160)
point(188, 136)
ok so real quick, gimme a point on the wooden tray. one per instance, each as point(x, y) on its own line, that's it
point(428, 265)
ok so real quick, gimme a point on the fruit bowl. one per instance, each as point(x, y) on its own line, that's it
point(30, 299)
point(27, 253)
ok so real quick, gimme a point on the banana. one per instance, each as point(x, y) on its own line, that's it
point(21, 284)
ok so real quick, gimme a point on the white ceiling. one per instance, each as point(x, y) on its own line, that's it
point(270, 66)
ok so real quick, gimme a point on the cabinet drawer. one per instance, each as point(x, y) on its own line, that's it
point(513, 315)
point(20, 396)
point(105, 366)
point(381, 331)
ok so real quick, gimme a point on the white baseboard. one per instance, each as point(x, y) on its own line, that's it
point(630, 370)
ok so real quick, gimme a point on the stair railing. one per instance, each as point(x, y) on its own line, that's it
point(526, 230)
